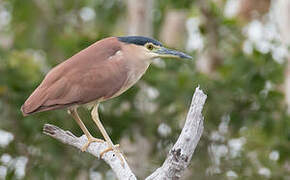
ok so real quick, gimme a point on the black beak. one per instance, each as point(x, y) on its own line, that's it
point(169, 53)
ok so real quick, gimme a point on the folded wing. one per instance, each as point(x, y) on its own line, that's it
point(88, 76)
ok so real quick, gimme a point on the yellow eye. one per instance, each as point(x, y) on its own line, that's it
point(150, 46)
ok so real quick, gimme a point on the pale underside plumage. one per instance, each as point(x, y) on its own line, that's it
point(97, 73)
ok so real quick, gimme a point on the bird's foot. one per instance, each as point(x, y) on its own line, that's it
point(90, 140)
point(116, 150)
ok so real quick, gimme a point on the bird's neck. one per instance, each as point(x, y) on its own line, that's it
point(136, 70)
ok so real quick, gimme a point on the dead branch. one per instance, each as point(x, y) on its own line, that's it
point(178, 158)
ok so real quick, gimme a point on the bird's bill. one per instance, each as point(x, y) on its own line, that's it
point(169, 53)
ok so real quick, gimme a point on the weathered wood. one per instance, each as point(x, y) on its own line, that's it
point(178, 158)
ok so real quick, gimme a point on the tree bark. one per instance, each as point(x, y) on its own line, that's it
point(173, 31)
point(282, 16)
point(178, 158)
point(140, 17)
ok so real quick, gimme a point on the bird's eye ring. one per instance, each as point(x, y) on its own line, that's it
point(150, 47)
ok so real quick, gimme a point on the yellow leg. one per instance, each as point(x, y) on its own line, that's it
point(74, 114)
point(112, 147)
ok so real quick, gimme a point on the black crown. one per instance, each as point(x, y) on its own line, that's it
point(139, 40)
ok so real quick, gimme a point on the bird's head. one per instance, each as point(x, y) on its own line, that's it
point(150, 48)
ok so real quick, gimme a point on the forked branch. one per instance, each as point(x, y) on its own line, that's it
point(178, 158)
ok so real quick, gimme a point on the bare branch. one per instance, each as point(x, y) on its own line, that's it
point(95, 148)
point(177, 160)
point(180, 154)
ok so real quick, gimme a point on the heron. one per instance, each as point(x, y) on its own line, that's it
point(100, 72)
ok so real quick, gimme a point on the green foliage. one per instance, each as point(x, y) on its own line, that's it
point(244, 88)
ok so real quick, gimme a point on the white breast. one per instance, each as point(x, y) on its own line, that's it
point(135, 72)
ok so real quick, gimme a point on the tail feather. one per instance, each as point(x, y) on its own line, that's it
point(36, 99)
point(40, 101)
point(24, 111)
point(45, 108)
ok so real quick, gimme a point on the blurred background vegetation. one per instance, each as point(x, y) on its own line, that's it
point(240, 49)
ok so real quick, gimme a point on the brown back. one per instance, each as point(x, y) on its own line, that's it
point(95, 72)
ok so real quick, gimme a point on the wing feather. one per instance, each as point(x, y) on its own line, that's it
point(91, 74)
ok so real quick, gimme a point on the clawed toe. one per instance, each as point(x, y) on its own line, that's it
point(90, 140)
point(116, 150)
point(111, 149)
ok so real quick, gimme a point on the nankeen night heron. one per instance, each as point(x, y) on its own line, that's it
point(100, 72)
